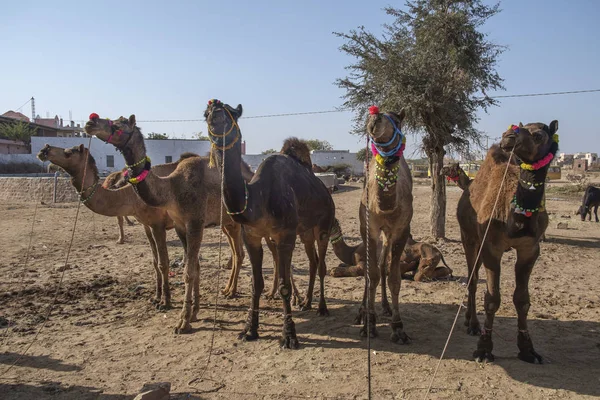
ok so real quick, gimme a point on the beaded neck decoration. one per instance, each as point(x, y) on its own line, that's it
point(529, 196)
point(386, 174)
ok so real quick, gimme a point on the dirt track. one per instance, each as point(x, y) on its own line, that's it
point(104, 339)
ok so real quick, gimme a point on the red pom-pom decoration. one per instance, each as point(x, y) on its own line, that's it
point(94, 116)
point(373, 110)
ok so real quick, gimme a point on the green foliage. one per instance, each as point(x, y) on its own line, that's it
point(19, 130)
point(361, 155)
point(316, 144)
point(269, 151)
point(200, 136)
point(340, 169)
point(434, 62)
point(157, 136)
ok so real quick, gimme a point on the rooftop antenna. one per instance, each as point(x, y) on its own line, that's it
point(32, 109)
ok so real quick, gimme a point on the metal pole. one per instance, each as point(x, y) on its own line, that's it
point(55, 184)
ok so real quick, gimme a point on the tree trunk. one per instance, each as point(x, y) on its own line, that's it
point(438, 193)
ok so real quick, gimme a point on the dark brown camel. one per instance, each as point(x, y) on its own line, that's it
point(454, 173)
point(120, 202)
point(518, 222)
point(284, 199)
point(189, 195)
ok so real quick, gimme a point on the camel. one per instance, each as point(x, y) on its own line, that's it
point(518, 222)
point(120, 202)
point(185, 194)
point(388, 202)
point(418, 257)
point(110, 183)
point(283, 200)
point(590, 200)
point(456, 174)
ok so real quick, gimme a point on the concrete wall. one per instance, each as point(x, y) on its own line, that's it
point(30, 190)
point(321, 158)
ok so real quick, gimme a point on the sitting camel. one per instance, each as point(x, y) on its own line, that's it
point(120, 202)
point(454, 173)
point(518, 222)
point(283, 200)
point(419, 257)
point(110, 182)
point(186, 194)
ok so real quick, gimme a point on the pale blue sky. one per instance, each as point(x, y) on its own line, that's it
point(163, 60)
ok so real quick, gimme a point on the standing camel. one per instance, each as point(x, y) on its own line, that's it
point(189, 195)
point(120, 202)
point(518, 221)
point(284, 199)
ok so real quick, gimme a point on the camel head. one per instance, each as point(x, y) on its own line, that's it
point(531, 142)
point(117, 132)
point(221, 119)
point(71, 159)
point(382, 127)
point(582, 211)
point(452, 171)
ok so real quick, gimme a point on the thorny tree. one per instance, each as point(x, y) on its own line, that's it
point(433, 61)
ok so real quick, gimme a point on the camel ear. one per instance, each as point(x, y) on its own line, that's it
point(239, 110)
point(553, 127)
point(132, 120)
point(81, 148)
point(520, 124)
point(399, 117)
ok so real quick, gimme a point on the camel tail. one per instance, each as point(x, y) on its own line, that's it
point(341, 249)
point(298, 150)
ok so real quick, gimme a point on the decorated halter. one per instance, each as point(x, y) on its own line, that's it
point(219, 141)
point(385, 175)
point(527, 200)
point(113, 130)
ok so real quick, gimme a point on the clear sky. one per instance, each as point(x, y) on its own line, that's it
point(162, 60)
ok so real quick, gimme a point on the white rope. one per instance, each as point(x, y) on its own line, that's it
point(368, 275)
point(470, 276)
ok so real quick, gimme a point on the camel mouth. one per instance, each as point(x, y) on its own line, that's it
point(43, 153)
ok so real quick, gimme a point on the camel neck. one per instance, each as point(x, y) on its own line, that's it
point(463, 179)
point(529, 195)
point(84, 177)
point(385, 177)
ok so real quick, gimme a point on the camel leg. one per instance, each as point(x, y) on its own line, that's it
point(359, 317)
point(158, 295)
point(395, 280)
point(296, 298)
point(385, 304)
point(471, 321)
point(285, 248)
point(255, 253)
point(595, 213)
point(159, 233)
point(374, 275)
point(491, 262)
point(234, 237)
point(181, 235)
point(323, 242)
point(309, 246)
point(273, 249)
point(121, 239)
point(189, 312)
point(129, 222)
point(526, 259)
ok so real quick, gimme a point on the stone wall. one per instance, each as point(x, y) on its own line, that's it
point(29, 190)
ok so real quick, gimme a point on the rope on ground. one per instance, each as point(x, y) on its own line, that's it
point(437, 367)
point(217, 286)
point(62, 275)
point(368, 275)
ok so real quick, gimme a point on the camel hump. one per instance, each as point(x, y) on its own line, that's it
point(187, 154)
point(298, 150)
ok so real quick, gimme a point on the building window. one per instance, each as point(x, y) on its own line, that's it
point(110, 161)
point(168, 159)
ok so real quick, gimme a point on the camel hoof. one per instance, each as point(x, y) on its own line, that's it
point(387, 310)
point(182, 328)
point(228, 294)
point(474, 331)
point(155, 300)
point(120, 241)
point(400, 336)
point(483, 355)
point(357, 319)
point(290, 342)
point(372, 333)
point(305, 306)
point(530, 356)
point(248, 337)
point(323, 311)
point(162, 306)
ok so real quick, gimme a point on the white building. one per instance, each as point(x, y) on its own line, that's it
point(590, 157)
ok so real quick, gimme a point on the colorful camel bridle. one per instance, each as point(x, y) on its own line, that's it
point(387, 176)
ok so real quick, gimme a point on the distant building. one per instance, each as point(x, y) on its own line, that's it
point(61, 130)
point(16, 115)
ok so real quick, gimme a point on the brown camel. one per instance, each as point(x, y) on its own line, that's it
point(110, 182)
point(518, 222)
point(283, 200)
point(185, 194)
point(388, 202)
point(120, 202)
point(456, 174)
point(418, 257)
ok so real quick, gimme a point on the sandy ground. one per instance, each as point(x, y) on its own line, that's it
point(104, 339)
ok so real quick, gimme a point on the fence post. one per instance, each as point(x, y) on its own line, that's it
point(55, 184)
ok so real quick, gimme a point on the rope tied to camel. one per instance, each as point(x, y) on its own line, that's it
point(219, 141)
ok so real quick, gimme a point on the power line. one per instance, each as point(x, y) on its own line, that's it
point(349, 109)
point(17, 109)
